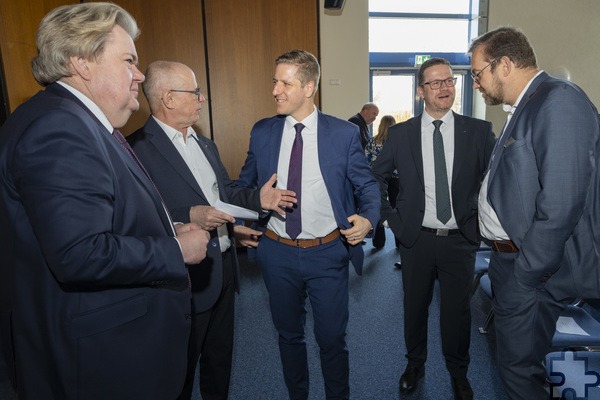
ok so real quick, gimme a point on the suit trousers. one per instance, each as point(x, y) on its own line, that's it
point(379, 232)
point(450, 259)
point(292, 274)
point(211, 341)
point(525, 320)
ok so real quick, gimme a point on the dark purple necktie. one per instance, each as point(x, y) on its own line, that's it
point(293, 221)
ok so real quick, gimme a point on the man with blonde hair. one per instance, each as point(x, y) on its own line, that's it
point(94, 290)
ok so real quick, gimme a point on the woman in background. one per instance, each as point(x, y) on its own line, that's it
point(372, 150)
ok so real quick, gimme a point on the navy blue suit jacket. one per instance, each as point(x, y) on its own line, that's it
point(343, 165)
point(473, 144)
point(544, 185)
point(94, 299)
point(180, 191)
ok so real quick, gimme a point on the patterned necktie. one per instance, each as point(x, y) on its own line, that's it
point(293, 221)
point(442, 192)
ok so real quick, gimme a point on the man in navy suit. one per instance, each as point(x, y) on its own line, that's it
point(538, 205)
point(94, 290)
point(188, 172)
point(307, 253)
point(435, 219)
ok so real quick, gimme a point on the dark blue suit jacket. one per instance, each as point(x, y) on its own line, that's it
point(473, 144)
point(343, 165)
point(544, 185)
point(180, 191)
point(94, 299)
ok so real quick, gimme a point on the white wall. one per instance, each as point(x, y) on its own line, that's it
point(564, 33)
point(345, 58)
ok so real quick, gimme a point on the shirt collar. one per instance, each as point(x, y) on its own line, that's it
point(310, 122)
point(427, 119)
point(90, 105)
point(511, 109)
point(173, 133)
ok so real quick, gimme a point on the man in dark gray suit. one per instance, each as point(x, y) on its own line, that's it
point(537, 204)
point(187, 170)
point(363, 119)
point(435, 219)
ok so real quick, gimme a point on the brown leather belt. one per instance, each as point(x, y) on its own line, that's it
point(303, 243)
point(503, 246)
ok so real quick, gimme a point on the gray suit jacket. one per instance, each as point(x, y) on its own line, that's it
point(180, 192)
point(544, 186)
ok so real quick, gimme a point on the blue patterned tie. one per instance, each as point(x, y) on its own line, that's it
point(442, 192)
point(293, 221)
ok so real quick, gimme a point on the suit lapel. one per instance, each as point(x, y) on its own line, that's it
point(274, 146)
point(214, 163)
point(416, 147)
point(460, 145)
point(508, 130)
point(165, 147)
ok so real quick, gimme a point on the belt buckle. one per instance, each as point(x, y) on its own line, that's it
point(442, 232)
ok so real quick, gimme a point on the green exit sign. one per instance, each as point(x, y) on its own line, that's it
point(421, 58)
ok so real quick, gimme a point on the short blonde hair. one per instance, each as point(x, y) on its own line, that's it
point(80, 30)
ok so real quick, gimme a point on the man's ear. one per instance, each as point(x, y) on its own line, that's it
point(309, 89)
point(167, 99)
point(80, 67)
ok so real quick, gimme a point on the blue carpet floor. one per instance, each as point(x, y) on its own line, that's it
point(375, 341)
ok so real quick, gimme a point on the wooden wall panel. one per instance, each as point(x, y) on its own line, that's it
point(170, 31)
point(243, 38)
point(19, 21)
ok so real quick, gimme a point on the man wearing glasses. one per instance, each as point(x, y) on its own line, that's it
point(538, 204)
point(441, 158)
point(187, 170)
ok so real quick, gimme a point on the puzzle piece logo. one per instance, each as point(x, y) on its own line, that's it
point(570, 377)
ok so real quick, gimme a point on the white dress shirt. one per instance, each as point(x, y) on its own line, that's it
point(198, 164)
point(430, 219)
point(317, 212)
point(489, 224)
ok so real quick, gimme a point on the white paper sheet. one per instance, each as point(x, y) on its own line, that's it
point(569, 326)
point(236, 212)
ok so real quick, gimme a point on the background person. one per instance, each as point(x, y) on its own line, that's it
point(372, 150)
point(363, 119)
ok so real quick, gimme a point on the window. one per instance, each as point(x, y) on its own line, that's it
point(404, 32)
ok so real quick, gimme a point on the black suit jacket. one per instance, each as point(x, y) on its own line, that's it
point(473, 144)
point(364, 128)
point(180, 191)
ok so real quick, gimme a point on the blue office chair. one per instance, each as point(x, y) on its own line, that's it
point(482, 262)
point(486, 287)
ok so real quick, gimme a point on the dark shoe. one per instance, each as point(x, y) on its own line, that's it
point(410, 379)
point(462, 389)
point(398, 265)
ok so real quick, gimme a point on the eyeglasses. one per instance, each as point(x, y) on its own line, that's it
point(195, 91)
point(476, 76)
point(450, 82)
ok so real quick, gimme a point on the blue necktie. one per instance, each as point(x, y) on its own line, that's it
point(442, 192)
point(293, 221)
